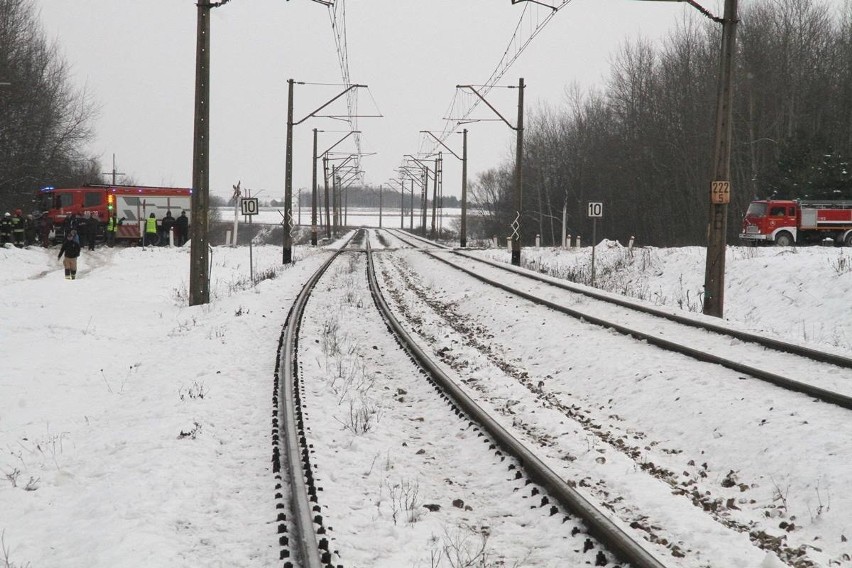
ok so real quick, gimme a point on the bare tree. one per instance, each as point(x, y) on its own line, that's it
point(44, 121)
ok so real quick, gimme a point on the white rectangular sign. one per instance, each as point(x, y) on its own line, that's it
point(595, 209)
point(248, 205)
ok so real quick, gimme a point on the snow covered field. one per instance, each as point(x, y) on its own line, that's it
point(135, 430)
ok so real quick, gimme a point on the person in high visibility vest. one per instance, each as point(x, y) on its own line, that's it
point(151, 236)
point(110, 231)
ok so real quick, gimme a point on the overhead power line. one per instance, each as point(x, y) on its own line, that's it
point(535, 16)
point(337, 17)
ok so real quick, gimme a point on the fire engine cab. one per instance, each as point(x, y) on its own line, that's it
point(130, 205)
point(786, 223)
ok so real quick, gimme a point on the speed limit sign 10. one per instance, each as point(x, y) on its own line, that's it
point(595, 209)
point(249, 205)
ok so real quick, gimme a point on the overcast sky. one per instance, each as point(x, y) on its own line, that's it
point(136, 59)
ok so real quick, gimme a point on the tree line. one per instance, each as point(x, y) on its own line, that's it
point(368, 197)
point(643, 143)
point(45, 124)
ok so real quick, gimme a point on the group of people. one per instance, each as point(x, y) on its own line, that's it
point(85, 228)
point(159, 233)
point(82, 230)
point(17, 229)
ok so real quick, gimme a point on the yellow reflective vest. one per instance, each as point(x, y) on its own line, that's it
point(151, 225)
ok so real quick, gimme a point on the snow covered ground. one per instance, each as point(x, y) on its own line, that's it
point(135, 430)
point(801, 294)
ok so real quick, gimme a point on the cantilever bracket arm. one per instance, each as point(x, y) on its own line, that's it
point(442, 144)
point(554, 8)
point(695, 5)
point(419, 163)
point(475, 92)
point(351, 132)
point(346, 90)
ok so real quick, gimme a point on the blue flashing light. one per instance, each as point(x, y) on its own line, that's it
point(47, 188)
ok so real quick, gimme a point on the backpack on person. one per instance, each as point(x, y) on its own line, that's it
point(72, 250)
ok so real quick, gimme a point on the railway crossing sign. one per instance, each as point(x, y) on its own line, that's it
point(595, 209)
point(248, 206)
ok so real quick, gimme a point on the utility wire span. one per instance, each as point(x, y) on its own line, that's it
point(535, 16)
point(337, 17)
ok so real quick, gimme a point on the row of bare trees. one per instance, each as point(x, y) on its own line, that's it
point(643, 144)
point(44, 122)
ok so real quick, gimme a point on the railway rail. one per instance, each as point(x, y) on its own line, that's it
point(300, 537)
point(463, 310)
point(304, 537)
point(823, 375)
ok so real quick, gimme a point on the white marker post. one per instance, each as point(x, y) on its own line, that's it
point(595, 212)
point(249, 207)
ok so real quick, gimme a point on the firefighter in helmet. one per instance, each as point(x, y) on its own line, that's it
point(18, 228)
point(6, 229)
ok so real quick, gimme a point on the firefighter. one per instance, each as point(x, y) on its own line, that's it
point(71, 250)
point(6, 229)
point(18, 228)
point(110, 231)
point(150, 230)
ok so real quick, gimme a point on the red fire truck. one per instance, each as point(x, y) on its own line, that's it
point(131, 205)
point(786, 223)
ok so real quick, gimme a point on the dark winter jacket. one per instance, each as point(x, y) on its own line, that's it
point(167, 223)
point(70, 248)
point(182, 223)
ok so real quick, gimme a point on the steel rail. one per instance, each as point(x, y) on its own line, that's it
point(777, 344)
point(822, 394)
point(601, 526)
point(306, 539)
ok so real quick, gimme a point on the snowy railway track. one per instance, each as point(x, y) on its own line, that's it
point(290, 450)
point(822, 375)
point(720, 442)
point(567, 529)
point(601, 526)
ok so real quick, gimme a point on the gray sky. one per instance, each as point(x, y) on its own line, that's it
point(136, 58)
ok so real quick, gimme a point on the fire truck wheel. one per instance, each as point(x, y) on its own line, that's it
point(784, 240)
point(848, 240)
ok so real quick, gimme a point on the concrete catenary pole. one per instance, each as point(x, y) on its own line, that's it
point(714, 274)
point(199, 276)
point(519, 178)
point(463, 239)
point(287, 249)
point(327, 200)
point(314, 194)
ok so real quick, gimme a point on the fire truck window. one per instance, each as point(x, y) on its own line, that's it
point(91, 199)
point(756, 210)
point(776, 212)
point(64, 200)
point(791, 212)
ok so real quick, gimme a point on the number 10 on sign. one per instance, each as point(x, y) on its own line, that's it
point(595, 209)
